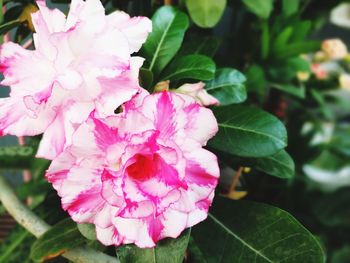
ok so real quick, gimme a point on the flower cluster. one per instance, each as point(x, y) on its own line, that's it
point(139, 175)
point(330, 63)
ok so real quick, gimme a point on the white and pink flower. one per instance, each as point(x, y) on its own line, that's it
point(142, 175)
point(81, 63)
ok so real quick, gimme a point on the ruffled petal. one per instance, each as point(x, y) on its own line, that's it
point(25, 71)
point(16, 119)
point(201, 123)
point(136, 29)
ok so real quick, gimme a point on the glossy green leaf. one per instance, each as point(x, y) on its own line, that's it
point(290, 7)
point(206, 13)
point(61, 237)
point(8, 26)
point(169, 250)
point(146, 79)
point(248, 132)
point(88, 231)
point(197, 67)
point(260, 8)
point(169, 27)
point(280, 165)
point(242, 232)
point(227, 86)
point(207, 45)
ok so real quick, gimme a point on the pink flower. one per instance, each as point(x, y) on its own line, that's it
point(142, 175)
point(80, 64)
point(319, 71)
point(198, 92)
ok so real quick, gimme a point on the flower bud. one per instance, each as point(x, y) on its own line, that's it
point(162, 86)
point(303, 76)
point(198, 92)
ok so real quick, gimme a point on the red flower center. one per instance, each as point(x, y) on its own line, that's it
point(143, 168)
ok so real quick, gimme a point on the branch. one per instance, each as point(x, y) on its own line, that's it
point(37, 227)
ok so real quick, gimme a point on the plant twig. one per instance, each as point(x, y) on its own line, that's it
point(37, 227)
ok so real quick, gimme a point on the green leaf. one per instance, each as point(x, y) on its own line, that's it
point(301, 29)
point(146, 79)
point(169, 250)
point(206, 13)
point(197, 67)
point(260, 8)
point(227, 86)
point(88, 231)
point(296, 49)
point(61, 237)
point(280, 165)
point(242, 232)
point(248, 132)
point(298, 92)
point(282, 39)
point(207, 45)
point(169, 27)
point(290, 7)
point(8, 26)
point(16, 157)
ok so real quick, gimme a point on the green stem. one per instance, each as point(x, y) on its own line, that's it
point(37, 227)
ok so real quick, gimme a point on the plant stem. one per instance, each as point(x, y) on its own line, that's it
point(37, 227)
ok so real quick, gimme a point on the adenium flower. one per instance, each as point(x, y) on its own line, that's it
point(141, 175)
point(319, 71)
point(344, 81)
point(80, 64)
point(340, 15)
point(334, 48)
point(198, 92)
